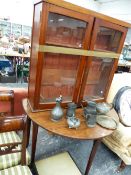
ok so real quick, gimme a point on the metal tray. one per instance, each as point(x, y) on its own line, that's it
point(106, 121)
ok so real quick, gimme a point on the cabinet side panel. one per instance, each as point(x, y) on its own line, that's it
point(34, 52)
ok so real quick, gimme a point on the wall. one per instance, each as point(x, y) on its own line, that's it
point(21, 11)
point(18, 11)
point(128, 37)
point(118, 9)
point(90, 4)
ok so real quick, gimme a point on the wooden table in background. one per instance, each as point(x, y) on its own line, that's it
point(16, 57)
point(43, 119)
point(14, 54)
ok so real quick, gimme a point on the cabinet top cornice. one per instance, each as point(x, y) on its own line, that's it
point(73, 7)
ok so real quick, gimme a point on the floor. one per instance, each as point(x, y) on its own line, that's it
point(105, 162)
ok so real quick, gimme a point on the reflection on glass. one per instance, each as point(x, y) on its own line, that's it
point(63, 30)
point(59, 77)
point(107, 39)
point(98, 77)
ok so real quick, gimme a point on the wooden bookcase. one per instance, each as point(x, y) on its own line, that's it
point(74, 53)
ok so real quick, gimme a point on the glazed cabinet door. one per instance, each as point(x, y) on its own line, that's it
point(107, 38)
point(61, 73)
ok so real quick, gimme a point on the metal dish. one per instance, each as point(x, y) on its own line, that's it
point(103, 108)
point(106, 122)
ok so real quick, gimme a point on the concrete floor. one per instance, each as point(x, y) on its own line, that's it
point(105, 162)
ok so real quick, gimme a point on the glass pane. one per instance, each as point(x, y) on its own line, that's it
point(108, 39)
point(98, 78)
point(58, 77)
point(63, 30)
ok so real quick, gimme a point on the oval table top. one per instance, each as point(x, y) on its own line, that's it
point(43, 119)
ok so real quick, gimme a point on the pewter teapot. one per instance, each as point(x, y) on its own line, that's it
point(73, 122)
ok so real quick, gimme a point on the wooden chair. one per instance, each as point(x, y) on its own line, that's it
point(7, 96)
point(13, 155)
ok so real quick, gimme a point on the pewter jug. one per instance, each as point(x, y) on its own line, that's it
point(57, 111)
point(90, 113)
point(90, 108)
point(71, 109)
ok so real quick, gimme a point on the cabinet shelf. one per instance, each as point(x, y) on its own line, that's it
point(92, 82)
point(64, 44)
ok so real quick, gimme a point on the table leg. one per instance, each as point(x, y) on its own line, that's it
point(28, 130)
point(121, 167)
point(92, 155)
point(34, 139)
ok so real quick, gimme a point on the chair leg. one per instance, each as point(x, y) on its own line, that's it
point(121, 167)
point(28, 130)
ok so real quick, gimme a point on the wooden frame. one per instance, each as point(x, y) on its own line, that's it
point(41, 45)
point(81, 52)
point(97, 25)
point(84, 11)
point(44, 18)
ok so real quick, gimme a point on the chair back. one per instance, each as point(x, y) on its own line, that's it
point(7, 96)
point(14, 123)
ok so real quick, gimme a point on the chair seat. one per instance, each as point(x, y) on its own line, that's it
point(16, 170)
point(60, 164)
point(13, 159)
point(9, 137)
